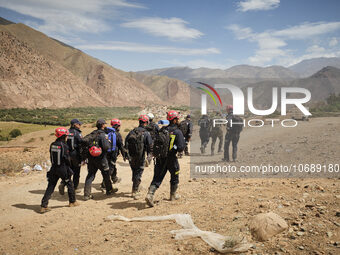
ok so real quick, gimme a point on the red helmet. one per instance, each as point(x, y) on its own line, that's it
point(116, 122)
point(143, 118)
point(60, 131)
point(95, 151)
point(229, 108)
point(172, 115)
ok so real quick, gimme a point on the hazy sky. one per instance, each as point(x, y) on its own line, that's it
point(141, 35)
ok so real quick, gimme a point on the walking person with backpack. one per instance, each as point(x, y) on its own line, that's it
point(234, 127)
point(169, 140)
point(216, 132)
point(74, 140)
point(97, 144)
point(116, 147)
point(138, 143)
point(205, 129)
point(186, 127)
point(60, 159)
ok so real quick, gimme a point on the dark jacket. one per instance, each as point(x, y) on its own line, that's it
point(177, 142)
point(60, 158)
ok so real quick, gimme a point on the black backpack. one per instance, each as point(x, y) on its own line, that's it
point(237, 124)
point(184, 127)
point(135, 143)
point(204, 123)
point(70, 140)
point(161, 143)
point(88, 141)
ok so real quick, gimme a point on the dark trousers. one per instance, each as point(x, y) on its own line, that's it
point(220, 142)
point(137, 167)
point(204, 135)
point(53, 178)
point(112, 167)
point(162, 166)
point(186, 150)
point(93, 167)
point(231, 138)
point(75, 166)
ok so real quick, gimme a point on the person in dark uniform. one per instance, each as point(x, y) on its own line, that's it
point(170, 162)
point(205, 129)
point(138, 144)
point(117, 147)
point(234, 128)
point(186, 127)
point(98, 160)
point(60, 159)
point(216, 132)
point(74, 139)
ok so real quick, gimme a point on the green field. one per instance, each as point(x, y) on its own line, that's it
point(63, 116)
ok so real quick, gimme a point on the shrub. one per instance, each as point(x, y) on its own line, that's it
point(15, 133)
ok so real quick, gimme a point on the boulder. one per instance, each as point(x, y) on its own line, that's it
point(265, 225)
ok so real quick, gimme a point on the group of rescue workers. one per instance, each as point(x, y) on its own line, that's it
point(101, 148)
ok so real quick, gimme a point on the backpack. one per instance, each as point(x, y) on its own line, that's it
point(113, 139)
point(152, 130)
point(184, 127)
point(161, 143)
point(237, 124)
point(204, 123)
point(70, 140)
point(87, 142)
point(135, 143)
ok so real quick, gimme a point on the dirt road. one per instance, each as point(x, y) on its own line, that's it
point(222, 205)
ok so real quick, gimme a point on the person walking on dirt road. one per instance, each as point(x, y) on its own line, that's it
point(234, 128)
point(74, 140)
point(117, 146)
point(97, 159)
point(168, 142)
point(138, 143)
point(60, 159)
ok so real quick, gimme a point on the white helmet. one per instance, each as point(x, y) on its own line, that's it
point(150, 115)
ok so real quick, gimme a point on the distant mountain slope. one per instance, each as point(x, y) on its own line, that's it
point(171, 90)
point(112, 85)
point(29, 80)
point(252, 73)
point(310, 66)
point(321, 85)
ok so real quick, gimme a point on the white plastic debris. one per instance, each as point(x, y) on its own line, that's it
point(26, 169)
point(37, 167)
point(223, 244)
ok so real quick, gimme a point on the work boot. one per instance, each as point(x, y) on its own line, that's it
point(225, 159)
point(44, 209)
point(61, 188)
point(202, 150)
point(173, 194)
point(180, 154)
point(149, 196)
point(110, 192)
point(135, 191)
point(88, 197)
point(73, 204)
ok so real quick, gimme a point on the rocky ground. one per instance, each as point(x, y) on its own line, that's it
point(310, 206)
